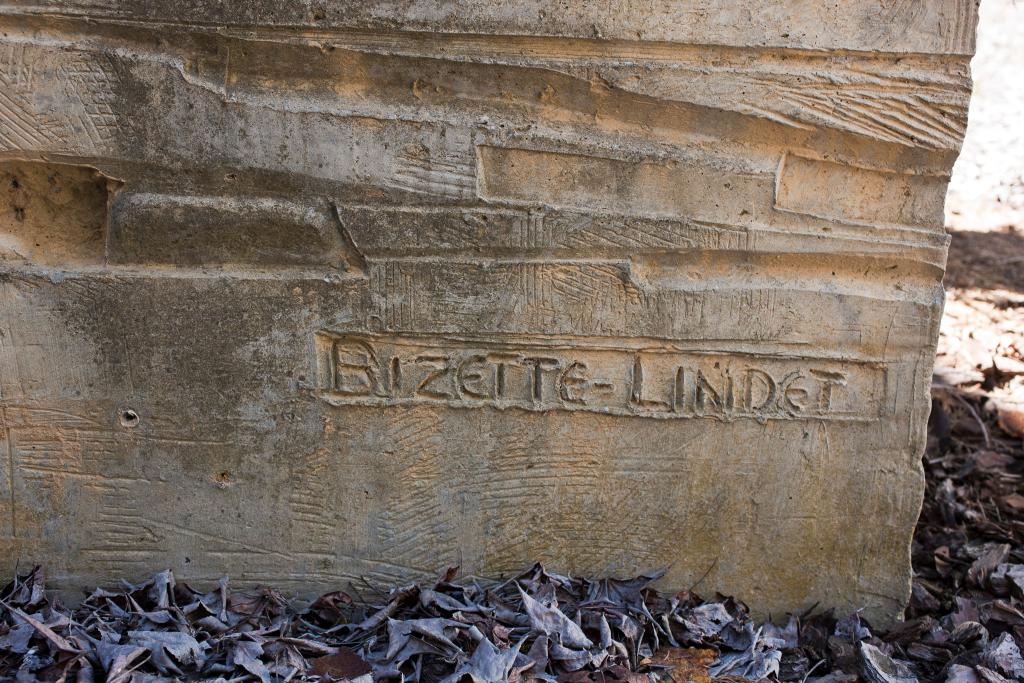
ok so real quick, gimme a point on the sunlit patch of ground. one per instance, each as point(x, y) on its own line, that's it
point(982, 341)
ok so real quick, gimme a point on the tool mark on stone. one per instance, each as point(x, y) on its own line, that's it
point(82, 118)
point(10, 450)
point(905, 113)
point(899, 16)
point(312, 523)
point(89, 82)
point(120, 537)
point(416, 526)
point(219, 539)
point(446, 175)
point(354, 258)
point(24, 126)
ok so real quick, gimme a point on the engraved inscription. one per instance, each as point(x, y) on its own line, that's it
point(624, 379)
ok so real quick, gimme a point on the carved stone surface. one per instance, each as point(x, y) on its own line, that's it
point(309, 291)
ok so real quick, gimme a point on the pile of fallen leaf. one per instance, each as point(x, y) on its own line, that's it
point(537, 626)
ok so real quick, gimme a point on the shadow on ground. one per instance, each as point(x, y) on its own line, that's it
point(986, 260)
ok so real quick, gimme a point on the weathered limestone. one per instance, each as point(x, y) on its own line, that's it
point(305, 291)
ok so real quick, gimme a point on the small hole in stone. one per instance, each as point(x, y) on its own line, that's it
point(15, 184)
point(129, 418)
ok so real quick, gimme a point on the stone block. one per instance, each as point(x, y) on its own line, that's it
point(311, 291)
